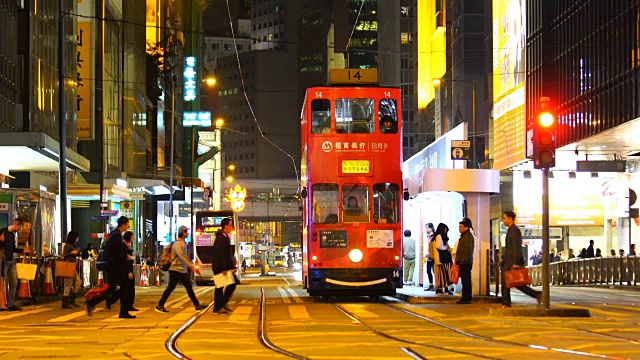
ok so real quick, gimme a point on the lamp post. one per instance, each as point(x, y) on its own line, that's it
point(173, 137)
point(473, 111)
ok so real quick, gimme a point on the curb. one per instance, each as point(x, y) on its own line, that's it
point(479, 299)
point(537, 312)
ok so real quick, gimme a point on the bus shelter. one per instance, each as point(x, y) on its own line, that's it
point(447, 196)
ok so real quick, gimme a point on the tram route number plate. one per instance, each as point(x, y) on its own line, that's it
point(333, 238)
point(380, 239)
point(355, 166)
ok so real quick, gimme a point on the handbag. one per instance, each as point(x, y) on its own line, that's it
point(26, 271)
point(65, 269)
point(224, 279)
point(455, 273)
point(517, 277)
point(445, 256)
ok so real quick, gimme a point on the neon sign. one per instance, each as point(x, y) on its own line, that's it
point(189, 78)
point(197, 118)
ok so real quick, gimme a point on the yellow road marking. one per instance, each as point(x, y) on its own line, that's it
point(183, 316)
point(117, 317)
point(298, 312)
point(23, 313)
point(71, 316)
point(241, 313)
point(359, 311)
point(283, 294)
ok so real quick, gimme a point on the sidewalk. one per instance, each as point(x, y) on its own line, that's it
point(417, 295)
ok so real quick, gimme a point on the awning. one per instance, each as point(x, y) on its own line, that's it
point(35, 151)
point(148, 186)
point(92, 192)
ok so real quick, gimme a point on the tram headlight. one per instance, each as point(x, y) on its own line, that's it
point(355, 255)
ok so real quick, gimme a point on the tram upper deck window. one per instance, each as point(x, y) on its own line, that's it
point(385, 203)
point(354, 116)
point(355, 204)
point(325, 203)
point(320, 116)
point(388, 113)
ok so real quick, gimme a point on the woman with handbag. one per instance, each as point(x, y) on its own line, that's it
point(67, 269)
point(439, 247)
point(513, 266)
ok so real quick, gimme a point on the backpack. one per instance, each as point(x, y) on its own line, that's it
point(165, 259)
point(102, 263)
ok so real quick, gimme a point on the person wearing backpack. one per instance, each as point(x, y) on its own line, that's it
point(178, 271)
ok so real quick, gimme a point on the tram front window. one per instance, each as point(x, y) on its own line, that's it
point(320, 116)
point(387, 111)
point(354, 116)
point(325, 203)
point(385, 203)
point(355, 204)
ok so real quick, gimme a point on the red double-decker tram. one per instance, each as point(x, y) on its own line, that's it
point(352, 198)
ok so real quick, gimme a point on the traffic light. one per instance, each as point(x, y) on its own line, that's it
point(544, 136)
point(231, 172)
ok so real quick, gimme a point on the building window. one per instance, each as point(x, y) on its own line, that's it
point(253, 169)
point(253, 155)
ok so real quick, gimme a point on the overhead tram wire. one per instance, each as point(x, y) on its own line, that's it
point(253, 114)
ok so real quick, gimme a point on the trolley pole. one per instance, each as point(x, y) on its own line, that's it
point(545, 239)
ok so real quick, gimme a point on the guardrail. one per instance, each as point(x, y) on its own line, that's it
point(86, 269)
point(593, 271)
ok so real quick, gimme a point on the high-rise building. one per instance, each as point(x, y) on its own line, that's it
point(409, 76)
point(9, 59)
point(275, 24)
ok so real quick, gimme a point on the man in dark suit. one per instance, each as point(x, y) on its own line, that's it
point(223, 261)
point(513, 258)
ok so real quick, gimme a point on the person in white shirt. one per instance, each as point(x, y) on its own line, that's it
point(409, 257)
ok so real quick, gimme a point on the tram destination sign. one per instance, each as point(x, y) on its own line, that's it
point(602, 166)
point(355, 166)
point(333, 238)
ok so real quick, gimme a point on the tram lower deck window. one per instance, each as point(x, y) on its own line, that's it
point(385, 203)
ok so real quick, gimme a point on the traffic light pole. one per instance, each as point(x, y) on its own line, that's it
point(545, 239)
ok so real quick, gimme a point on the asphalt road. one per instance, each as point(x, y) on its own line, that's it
point(356, 328)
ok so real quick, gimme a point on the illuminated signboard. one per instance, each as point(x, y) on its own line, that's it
point(355, 166)
point(197, 118)
point(189, 78)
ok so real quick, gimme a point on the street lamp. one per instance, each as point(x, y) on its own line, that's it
point(210, 81)
point(231, 170)
point(219, 123)
point(473, 109)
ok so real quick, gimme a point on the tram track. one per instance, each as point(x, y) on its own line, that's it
point(171, 343)
point(503, 342)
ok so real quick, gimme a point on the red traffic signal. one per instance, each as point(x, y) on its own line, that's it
point(544, 137)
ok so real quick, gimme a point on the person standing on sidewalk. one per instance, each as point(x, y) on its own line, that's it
point(428, 256)
point(179, 272)
point(223, 261)
point(9, 269)
point(117, 271)
point(464, 259)
point(129, 283)
point(71, 285)
point(408, 257)
point(513, 258)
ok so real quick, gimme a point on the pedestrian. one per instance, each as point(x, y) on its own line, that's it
point(583, 254)
point(428, 236)
point(613, 252)
point(598, 252)
point(244, 266)
point(179, 272)
point(223, 262)
point(71, 284)
point(633, 250)
point(117, 272)
point(130, 284)
point(408, 257)
point(590, 252)
point(621, 252)
point(439, 247)
point(9, 269)
point(86, 252)
point(513, 258)
point(464, 258)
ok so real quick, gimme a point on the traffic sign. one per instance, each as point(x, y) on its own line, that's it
point(109, 212)
point(460, 149)
point(602, 166)
point(99, 217)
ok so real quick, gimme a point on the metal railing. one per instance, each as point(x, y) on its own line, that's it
point(593, 271)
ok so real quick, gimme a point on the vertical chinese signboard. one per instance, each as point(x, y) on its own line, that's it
point(190, 89)
point(83, 82)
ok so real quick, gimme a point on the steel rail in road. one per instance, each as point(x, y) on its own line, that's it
point(173, 339)
point(262, 331)
point(503, 342)
point(409, 351)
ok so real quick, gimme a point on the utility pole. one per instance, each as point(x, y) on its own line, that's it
point(475, 135)
point(62, 123)
point(99, 111)
point(173, 139)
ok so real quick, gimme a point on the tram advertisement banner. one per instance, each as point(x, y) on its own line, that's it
point(333, 238)
point(380, 239)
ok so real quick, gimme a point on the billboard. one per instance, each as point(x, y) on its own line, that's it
point(509, 73)
point(572, 201)
point(196, 118)
point(190, 86)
